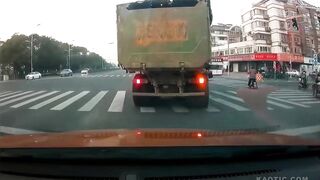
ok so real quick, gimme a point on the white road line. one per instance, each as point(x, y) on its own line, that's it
point(179, 109)
point(69, 101)
point(16, 95)
point(117, 103)
point(228, 96)
point(270, 108)
point(290, 102)
point(288, 97)
point(124, 76)
point(311, 102)
point(111, 75)
point(212, 109)
point(5, 92)
point(147, 109)
point(232, 92)
point(99, 75)
point(37, 106)
point(33, 99)
point(8, 94)
point(229, 104)
point(21, 98)
point(16, 131)
point(289, 94)
point(298, 131)
point(303, 99)
point(118, 75)
point(93, 102)
point(279, 104)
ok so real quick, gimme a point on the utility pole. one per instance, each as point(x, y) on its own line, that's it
point(31, 53)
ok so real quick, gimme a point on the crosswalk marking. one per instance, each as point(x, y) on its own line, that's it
point(118, 75)
point(111, 75)
point(228, 96)
point(290, 102)
point(69, 101)
point(21, 98)
point(302, 99)
point(118, 101)
point(33, 99)
point(229, 104)
point(147, 109)
point(279, 104)
point(212, 109)
point(232, 92)
point(8, 94)
point(270, 108)
point(281, 94)
point(16, 95)
point(93, 102)
point(124, 75)
point(179, 109)
point(37, 106)
point(4, 92)
point(288, 97)
point(311, 102)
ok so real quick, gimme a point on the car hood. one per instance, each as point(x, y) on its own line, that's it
point(148, 138)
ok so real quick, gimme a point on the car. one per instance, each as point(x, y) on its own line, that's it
point(33, 75)
point(293, 72)
point(84, 72)
point(66, 72)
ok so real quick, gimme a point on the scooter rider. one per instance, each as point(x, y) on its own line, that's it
point(303, 77)
point(252, 76)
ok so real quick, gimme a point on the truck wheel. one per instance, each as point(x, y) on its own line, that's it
point(141, 100)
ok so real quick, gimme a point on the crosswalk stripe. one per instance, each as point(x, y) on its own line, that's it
point(33, 99)
point(69, 101)
point(288, 94)
point(232, 92)
point(229, 104)
point(288, 97)
point(124, 76)
point(228, 96)
point(99, 75)
point(106, 75)
point(5, 92)
point(212, 109)
point(21, 98)
point(289, 102)
point(179, 109)
point(16, 95)
point(37, 106)
point(117, 103)
point(270, 108)
point(147, 109)
point(303, 99)
point(311, 102)
point(118, 75)
point(111, 75)
point(93, 102)
point(8, 94)
point(279, 104)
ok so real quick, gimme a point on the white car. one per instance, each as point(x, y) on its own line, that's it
point(33, 75)
point(84, 72)
point(293, 72)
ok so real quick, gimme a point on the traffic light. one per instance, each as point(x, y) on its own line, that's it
point(295, 24)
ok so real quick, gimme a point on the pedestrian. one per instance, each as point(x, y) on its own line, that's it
point(252, 76)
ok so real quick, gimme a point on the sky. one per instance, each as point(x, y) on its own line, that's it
point(88, 23)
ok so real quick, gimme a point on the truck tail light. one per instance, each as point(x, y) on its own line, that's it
point(137, 81)
point(201, 80)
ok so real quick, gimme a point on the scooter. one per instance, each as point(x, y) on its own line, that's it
point(254, 84)
point(303, 83)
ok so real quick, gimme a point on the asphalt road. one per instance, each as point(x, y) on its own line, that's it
point(104, 101)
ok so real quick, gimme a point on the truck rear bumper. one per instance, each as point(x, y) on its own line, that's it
point(169, 94)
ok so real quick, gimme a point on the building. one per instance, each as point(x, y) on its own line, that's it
point(277, 35)
point(220, 32)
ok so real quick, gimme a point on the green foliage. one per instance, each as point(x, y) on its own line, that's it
point(49, 55)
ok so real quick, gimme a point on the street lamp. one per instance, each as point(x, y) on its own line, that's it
point(69, 55)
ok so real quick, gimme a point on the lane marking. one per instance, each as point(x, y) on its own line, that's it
point(303, 99)
point(290, 102)
point(16, 131)
point(33, 99)
point(111, 75)
point(270, 108)
point(124, 76)
point(229, 104)
point(228, 96)
point(5, 92)
point(279, 94)
point(147, 109)
point(279, 104)
point(212, 109)
point(311, 102)
point(118, 101)
point(232, 92)
point(118, 75)
point(298, 131)
point(179, 109)
point(21, 98)
point(69, 101)
point(8, 94)
point(93, 102)
point(288, 97)
point(16, 95)
point(37, 106)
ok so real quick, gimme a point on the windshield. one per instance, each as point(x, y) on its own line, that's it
point(159, 68)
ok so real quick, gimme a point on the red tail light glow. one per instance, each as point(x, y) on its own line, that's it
point(199, 135)
point(201, 80)
point(138, 81)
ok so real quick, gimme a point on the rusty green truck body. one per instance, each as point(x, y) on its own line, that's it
point(167, 43)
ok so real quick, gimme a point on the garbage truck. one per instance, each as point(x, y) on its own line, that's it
point(166, 43)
